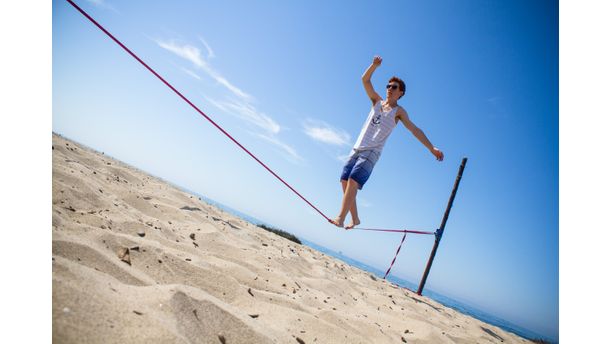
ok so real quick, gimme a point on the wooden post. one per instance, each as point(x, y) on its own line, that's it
point(440, 231)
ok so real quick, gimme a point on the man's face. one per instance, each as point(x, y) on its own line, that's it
point(393, 90)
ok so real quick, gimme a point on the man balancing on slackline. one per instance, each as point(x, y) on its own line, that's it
point(381, 120)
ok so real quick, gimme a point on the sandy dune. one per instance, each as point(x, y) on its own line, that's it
point(136, 260)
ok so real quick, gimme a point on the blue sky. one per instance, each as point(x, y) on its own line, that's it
point(284, 79)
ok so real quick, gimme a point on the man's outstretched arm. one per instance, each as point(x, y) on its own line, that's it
point(367, 84)
point(419, 134)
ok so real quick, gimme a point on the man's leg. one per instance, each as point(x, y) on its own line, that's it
point(348, 201)
point(352, 209)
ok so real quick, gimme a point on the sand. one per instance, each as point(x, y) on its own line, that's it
point(137, 260)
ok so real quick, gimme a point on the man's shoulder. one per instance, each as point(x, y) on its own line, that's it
point(401, 111)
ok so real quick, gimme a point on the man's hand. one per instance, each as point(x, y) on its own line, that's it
point(438, 153)
point(377, 61)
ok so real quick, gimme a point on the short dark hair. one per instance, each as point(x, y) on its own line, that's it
point(402, 85)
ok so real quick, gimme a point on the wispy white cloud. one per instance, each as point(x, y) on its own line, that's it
point(343, 158)
point(193, 55)
point(240, 104)
point(211, 53)
point(290, 151)
point(223, 81)
point(191, 73)
point(103, 4)
point(248, 113)
point(188, 52)
point(325, 133)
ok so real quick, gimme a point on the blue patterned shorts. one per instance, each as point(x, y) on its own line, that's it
point(359, 166)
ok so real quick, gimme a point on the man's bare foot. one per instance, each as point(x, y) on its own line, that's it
point(352, 225)
point(338, 222)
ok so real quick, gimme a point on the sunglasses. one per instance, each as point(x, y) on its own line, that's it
point(392, 86)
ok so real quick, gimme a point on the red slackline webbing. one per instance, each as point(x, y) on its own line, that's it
point(193, 106)
point(395, 230)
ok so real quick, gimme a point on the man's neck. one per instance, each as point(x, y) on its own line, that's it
point(391, 102)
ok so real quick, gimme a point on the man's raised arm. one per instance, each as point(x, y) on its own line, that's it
point(367, 84)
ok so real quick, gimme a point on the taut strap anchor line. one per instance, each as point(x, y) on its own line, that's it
point(394, 230)
point(396, 253)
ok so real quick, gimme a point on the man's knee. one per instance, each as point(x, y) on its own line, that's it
point(352, 182)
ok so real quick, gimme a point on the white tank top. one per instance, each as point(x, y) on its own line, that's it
point(376, 129)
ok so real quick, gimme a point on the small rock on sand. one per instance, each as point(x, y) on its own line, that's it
point(124, 255)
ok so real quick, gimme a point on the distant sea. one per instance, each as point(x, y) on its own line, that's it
point(446, 301)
